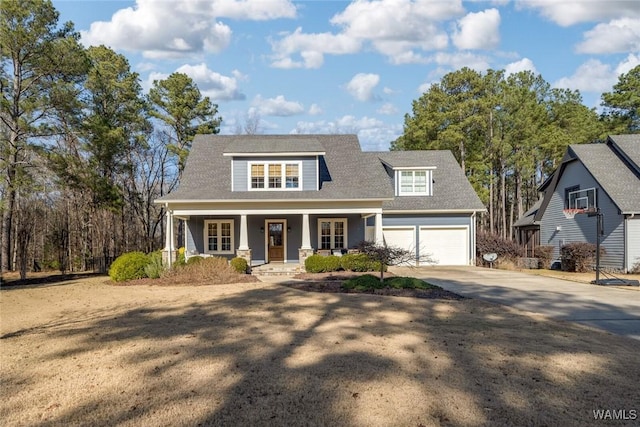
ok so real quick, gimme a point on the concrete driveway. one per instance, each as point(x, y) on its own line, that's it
point(612, 309)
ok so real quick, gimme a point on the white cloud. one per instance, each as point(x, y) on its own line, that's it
point(631, 62)
point(374, 135)
point(398, 29)
point(618, 35)
point(311, 48)
point(315, 110)
point(566, 13)
point(525, 64)
point(479, 30)
point(592, 76)
point(179, 28)
point(387, 109)
point(277, 106)
point(212, 84)
point(362, 85)
point(458, 60)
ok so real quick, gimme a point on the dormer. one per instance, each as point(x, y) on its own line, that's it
point(275, 165)
point(410, 179)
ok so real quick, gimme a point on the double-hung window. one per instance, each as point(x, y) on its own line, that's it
point(218, 237)
point(275, 176)
point(414, 182)
point(332, 233)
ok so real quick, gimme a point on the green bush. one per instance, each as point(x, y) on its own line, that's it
point(359, 263)
point(239, 264)
point(194, 260)
point(180, 259)
point(154, 268)
point(369, 282)
point(322, 264)
point(129, 266)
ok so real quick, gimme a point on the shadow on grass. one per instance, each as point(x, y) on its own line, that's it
point(277, 356)
point(45, 279)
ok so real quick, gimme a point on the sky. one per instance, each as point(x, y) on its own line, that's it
point(355, 67)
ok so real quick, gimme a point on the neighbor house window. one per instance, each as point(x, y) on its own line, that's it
point(218, 237)
point(332, 233)
point(414, 182)
point(275, 176)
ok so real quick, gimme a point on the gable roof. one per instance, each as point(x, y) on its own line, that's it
point(350, 173)
point(207, 173)
point(451, 189)
point(528, 218)
point(614, 165)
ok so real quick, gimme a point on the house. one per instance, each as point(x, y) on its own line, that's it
point(527, 230)
point(603, 176)
point(281, 198)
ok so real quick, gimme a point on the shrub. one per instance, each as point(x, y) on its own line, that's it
point(635, 268)
point(129, 266)
point(368, 282)
point(544, 254)
point(358, 262)
point(209, 271)
point(321, 264)
point(578, 256)
point(180, 259)
point(492, 243)
point(154, 268)
point(194, 260)
point(240, 265)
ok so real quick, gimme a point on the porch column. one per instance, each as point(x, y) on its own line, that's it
point(379, 237)
point(306, 235)
point(169, 253)
point(244, 236)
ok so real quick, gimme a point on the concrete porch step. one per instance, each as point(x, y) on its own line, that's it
point(277, 269)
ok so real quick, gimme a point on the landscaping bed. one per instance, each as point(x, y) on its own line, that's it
point(333, 283)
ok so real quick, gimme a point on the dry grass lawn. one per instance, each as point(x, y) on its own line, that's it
point(84, 352)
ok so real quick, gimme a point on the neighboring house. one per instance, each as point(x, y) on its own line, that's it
point(528, 230)
point(603, 176)
point(280, 198)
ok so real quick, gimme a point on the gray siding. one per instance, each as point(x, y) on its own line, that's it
point(633, 242)
point(240, 170)
point(556, 230)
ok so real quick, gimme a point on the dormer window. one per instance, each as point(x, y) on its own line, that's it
point(414, 182)
point(274, 175)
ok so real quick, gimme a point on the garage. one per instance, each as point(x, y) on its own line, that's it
point(446, 246)
point(401, 237)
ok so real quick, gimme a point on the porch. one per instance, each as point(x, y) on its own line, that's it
point(273, 237)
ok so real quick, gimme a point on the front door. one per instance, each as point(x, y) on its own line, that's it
point(275, 241)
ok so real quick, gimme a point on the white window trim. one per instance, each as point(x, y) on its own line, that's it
point(333, 221)
point(283, 176)
point(429, 179)
point(206, 236)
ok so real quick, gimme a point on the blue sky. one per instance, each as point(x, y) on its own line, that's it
point(355, 67)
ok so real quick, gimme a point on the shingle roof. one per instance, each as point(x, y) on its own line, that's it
point(451, 188)
point(207, 172)
point(352, 173)
point(528, 218)
point(272, 144)
point(629, 145)
point(614, 176)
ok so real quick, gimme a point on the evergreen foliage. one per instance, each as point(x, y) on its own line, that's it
point(129, 266)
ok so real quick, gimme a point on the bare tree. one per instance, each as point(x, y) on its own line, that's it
point(391, 255)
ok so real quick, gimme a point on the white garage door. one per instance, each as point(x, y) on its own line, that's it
point(633, 242)
point(401, 237)
point(446, 246)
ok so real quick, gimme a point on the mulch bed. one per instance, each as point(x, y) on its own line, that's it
point(332, 283)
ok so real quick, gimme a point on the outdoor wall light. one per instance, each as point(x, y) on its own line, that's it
point(288, 229)
point(262, 230)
